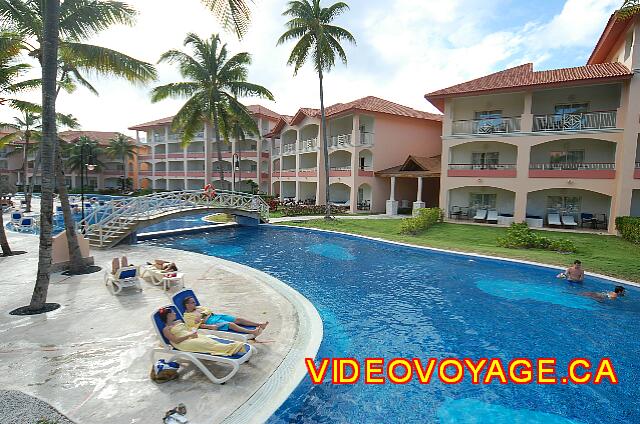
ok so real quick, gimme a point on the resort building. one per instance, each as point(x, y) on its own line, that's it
point(108, 175)
point(169, 165)
point(549, 147)
point(365, 137)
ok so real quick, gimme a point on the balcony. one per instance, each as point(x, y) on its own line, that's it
point(340, 141)
point(366, 138)
point(636, 174)
point(195, 173)
point(195, 155)
point(365, 171)
point(289, 149)
point(310, 145)
point(575, 121)
point(501, 170)
point(118, 172)
point(148, 173)
point(276, 174)
point(247, 153)
point(340, 171)
point(145, 157)
point(487, 126)
point(582, 170)
point(159, 138)
point(276, 151)
point(175, 156)
point(247, 174)
point(179, 174)
point(288, 172)
point(308, 172)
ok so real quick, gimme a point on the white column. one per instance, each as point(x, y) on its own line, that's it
point(418, 204)
point(392, 203)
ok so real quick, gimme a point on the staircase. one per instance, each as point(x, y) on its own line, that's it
point(108, 225)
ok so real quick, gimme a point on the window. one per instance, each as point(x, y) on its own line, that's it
point(481, 200)
point(485, 160)
point(569, 204)
point(628, 45)
point(567, 160)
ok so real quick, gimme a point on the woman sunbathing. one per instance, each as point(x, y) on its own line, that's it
point(182, 338)
point(202, 317)
point(164, 266)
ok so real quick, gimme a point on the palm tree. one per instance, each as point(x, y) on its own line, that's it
point(628, 9)
point(121, 147)
point(49, 63)
point(82, 152)
point(319, 41)
point(213, 82)
point(11, 69)
point(4, 243)
point(77, 20)
point(234, 15)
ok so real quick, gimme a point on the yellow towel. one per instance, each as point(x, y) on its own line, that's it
point(190, 317)
point(204, 344)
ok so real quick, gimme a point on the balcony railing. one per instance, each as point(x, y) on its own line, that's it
point(276, 151)
point(573, 166)
point(575, 121)
point(636, 174)
point(158, 138)
point(366, 138)
point(476, 166)
point(310, 145)
point(339, 141)
point(288, 148)
point(487, 126)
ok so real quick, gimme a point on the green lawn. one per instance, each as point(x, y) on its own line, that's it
point(603, 254)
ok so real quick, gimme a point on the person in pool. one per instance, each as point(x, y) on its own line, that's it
point(617, 292)
point(574, 273)
point(202, 317)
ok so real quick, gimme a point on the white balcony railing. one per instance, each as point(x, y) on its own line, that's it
point(158, 138)
point(487, 126)
point(314, 169)
point(175, 137)
point(573, 166)
point(276, 151)
point(310, 145)
point(637, 165)
point(340, 168)
point(366, 138)
point(477, 166)
point(288, 148)
point(575, 121)
point(338, 141)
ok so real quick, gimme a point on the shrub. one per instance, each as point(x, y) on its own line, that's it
point(304, 210)
point(520, 236)
point(629, 228)
point(425, 219)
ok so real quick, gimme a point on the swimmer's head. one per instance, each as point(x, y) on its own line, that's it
point(619, 290)
point(577, 263)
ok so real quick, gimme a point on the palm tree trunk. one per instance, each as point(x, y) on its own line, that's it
point(218, 148)
point(325, 149)
point(124, 170)
point(51, 17)
point(76, 263)
point(25, 166)
point(29, 193)
point(4, 243)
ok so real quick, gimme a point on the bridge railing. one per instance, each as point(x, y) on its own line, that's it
point(122, 213)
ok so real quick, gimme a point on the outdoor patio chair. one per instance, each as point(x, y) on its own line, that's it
point(569, 221)
point(554, 219)
point(481, 215)
point(26, 224)
point(124, 277)
point(178, 300)
point(159, 277)
point(15, 218)
point(198, 358)
point(492, 216)
point(586, 218)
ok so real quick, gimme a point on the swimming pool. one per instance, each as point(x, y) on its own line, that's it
point(382, 300)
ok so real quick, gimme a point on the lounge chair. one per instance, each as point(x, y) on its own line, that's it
point(492, 216)
point(554, 219)
point(569, 221)
point(25, 224)
point(198, 358)
point(481, 215)
point(15, 218)
point(124, 277)
point(178, 299)
point(159, 277)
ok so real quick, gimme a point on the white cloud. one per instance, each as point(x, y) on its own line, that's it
point(405, 49)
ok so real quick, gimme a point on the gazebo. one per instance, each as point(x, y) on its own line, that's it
point(414, 168)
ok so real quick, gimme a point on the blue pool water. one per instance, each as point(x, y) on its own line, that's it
point(383, 300)
point(189, 221)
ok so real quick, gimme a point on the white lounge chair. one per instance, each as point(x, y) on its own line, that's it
point(159, 277)
point(26, 224)
point(178, 301)
point(124, 277)
point(569, 221)
point(198, 358)
point(554, 219)
point(481, 215)
point(492, 216)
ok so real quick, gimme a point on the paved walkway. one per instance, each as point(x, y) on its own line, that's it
point(90, 359)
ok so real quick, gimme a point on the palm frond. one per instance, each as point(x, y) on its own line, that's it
point(234, 15)
point(629, 9)
point(81, 19)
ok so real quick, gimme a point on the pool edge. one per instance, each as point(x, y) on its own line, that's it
point(456, 252)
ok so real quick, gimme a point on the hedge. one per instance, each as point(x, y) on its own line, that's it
point(306, 210)
point(425, 219)
point(629, 228)
point(520, 236)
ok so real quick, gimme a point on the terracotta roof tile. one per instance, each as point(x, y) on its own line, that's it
point(150, 124)
point(261, 110)
point(524, 76)
point(376, 104)
point(102, 137)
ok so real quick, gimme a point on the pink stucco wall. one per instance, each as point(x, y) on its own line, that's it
point(598, 174)
point(498, 173)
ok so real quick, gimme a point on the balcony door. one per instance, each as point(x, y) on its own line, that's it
point(571, 159)
point(564, 204)
point(570, 116)
point(482, 200)
point(485, 160)
point(489, 121)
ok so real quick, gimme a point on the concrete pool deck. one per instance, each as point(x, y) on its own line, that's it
point(90, 359)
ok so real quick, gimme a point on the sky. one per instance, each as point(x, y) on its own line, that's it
point(405, 48)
